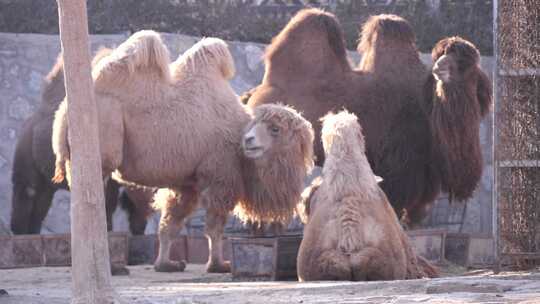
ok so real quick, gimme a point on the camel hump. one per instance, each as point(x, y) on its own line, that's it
point(144, 50)
point(208, 53)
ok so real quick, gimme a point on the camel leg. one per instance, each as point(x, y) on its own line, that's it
point(111, 200)
point(42, 204)
point(22, 205)
point(175, 207)
point(215, 226)
point(138, 208)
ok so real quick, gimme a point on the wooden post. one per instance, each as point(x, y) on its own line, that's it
point(89, 247)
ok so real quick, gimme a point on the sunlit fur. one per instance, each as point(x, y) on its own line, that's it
point(392, 93)
point(179, 125)
point(352, 232)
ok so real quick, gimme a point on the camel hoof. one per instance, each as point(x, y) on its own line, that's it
point(170, 266)
point(119, 270)
point(224, 267)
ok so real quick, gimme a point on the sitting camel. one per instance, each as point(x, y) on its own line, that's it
point(352, 232)
point(180, 126)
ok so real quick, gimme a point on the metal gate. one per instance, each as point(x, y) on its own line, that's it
point(517, 131)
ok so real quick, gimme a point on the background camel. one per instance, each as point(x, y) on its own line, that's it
point(33, 165)
point(352, 233)
point(181, 126)
point(410, 130)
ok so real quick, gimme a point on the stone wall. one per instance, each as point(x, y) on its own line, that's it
point(256, 20)
point(26, 58)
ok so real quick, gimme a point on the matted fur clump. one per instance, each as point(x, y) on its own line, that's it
point(180, 126)
point(352, 233)
point(418, 144)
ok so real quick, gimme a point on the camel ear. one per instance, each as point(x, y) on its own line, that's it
point(484, 93)
point(303, 209)
point(378, 179)
point(306, 144)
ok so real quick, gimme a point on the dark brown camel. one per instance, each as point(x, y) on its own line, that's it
point(33, 167)
point(419, 141)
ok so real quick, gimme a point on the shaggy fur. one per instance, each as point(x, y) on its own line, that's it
point(352, 233)
point(33, 164)
point(392, 93)
point(465, 97)
point(180, 126)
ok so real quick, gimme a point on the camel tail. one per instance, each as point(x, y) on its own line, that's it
point(144, 50)
point(60, 143)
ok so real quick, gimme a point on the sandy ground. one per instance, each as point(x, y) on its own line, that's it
point(51, 285)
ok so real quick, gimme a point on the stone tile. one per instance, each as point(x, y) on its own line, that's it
point(57, 250)
point(27, 250)
point(7, 259)
point(118, 248)
point(197, 250)
point(428, 243)
point(142, 249)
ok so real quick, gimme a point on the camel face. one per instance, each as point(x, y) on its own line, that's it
point(445, 68)
point(259, 139)
point(276, 130)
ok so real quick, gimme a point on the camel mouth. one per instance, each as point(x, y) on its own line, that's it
point(253, 152)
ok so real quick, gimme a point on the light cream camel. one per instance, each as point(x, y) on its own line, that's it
point(180, 126)
point(352, 232)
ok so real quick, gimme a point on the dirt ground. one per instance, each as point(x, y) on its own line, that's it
point(51, 285)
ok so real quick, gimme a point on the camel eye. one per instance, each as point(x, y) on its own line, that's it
point(274, 130)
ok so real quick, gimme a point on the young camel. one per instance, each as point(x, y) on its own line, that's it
point(352, 232)
point(180, 126)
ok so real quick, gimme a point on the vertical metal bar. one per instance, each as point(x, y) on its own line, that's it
point(495, 197)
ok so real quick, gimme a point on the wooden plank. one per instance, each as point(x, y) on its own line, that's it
point(525, 163)
point(519, 72)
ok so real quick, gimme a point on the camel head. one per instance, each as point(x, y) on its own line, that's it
point(278, 149)
point(462, 98)
point(342, 135)
point(453, 57)
point(278, 131)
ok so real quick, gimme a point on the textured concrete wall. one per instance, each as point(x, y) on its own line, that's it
point(26, 58)
point(257, 20)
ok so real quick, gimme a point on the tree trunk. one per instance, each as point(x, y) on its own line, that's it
point(89, 246)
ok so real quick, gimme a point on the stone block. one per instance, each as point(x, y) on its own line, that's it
point(429, 243)
point(456, 248)
point(142, 249)
point(6, 252)
point(481, 251)
point(118, 248)
point(272, 258)
point(57, 250)
point(197, 250)
point(27, 251)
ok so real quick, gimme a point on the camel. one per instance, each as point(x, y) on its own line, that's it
point(33, 165)
point(179, 126)
point(421, 138)
point(352, 232)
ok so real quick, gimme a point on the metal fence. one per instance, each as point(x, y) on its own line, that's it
point(517, 131)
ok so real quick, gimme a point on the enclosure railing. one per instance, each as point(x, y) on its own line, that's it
point(517, 132)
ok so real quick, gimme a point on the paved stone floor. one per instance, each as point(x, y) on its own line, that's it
point(51, 285)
